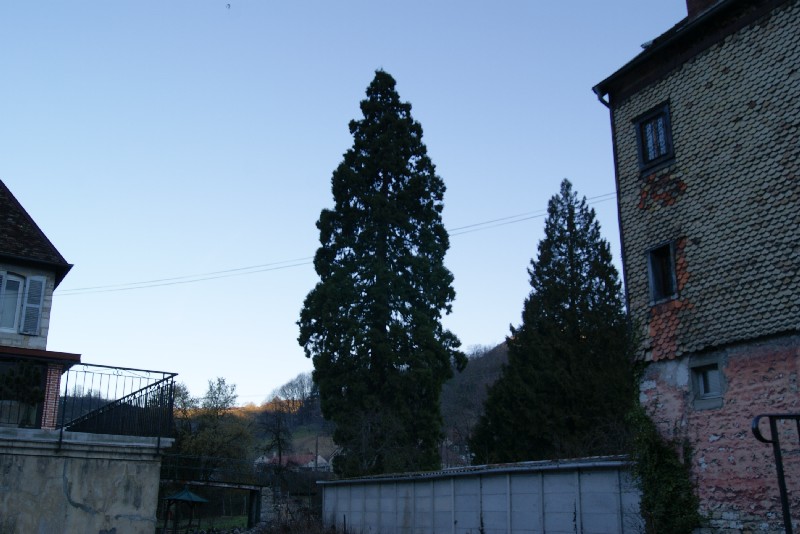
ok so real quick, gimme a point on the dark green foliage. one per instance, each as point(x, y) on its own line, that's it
point(463, 397)
point(373, 322)
point(208, 431)
point(22, 382)
point(669, 503)
point(569, 379)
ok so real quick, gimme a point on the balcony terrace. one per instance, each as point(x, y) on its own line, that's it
point(55, 391)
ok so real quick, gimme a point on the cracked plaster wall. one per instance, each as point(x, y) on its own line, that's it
point(86, 486)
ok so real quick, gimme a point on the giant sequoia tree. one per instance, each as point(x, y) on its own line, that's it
point(372, 324)
point(568, 383)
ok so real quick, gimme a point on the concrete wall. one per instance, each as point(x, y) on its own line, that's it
point(588, 496)
point(91, 484)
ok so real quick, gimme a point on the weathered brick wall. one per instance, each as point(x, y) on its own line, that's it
point(731, 198)
point(735, 473)
point(730, 203)
point(11, 339)
point(51, 395)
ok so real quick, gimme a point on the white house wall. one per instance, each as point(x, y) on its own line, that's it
point(11, 339)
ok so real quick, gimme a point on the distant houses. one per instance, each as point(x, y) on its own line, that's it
point(294, 462)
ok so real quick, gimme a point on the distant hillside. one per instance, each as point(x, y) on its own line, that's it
point(461, 404)
point(463, 397)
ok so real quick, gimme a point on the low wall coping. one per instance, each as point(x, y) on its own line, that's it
point(38, 442)
point(572, 464)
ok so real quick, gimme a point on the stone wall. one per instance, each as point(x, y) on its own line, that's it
point(735, 473)
point(89, 484)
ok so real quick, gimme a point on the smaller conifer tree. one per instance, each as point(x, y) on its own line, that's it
point(568, 383)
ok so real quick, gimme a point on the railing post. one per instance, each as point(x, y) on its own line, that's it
point(776, 449)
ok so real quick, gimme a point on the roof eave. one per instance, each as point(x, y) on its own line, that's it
point(686, 29)
point(59, 269)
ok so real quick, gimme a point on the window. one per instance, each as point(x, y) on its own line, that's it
point(661, 269)
point(10, 301)
point(21, 301)
point(708, 382)
point(654, 137)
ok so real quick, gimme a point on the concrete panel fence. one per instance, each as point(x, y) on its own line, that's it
point(592, 495)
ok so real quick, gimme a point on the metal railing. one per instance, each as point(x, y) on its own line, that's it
point(100, 399)
point(774, 439)
point(199, 468)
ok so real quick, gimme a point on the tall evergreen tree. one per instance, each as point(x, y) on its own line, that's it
point(569, 379)
point(372, 324)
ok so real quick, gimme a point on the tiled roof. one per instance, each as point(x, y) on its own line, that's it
point(730, 200)
point(682, 43)
point(23, 241)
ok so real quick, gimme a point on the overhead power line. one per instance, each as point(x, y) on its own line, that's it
point(298, 262)
point(188, 279)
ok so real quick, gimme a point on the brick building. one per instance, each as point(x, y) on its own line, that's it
point(706, 132)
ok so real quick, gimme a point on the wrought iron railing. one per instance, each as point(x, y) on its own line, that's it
point(99, 399)
point(775, 439)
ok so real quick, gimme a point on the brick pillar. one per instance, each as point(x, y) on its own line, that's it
point(51, 395)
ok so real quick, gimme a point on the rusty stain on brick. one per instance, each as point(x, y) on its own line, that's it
point(663, 189)
point(666, 318)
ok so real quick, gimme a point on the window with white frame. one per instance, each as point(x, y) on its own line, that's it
point(708, 382)
point(654, 137)
point(21, 301)
point(661, 272)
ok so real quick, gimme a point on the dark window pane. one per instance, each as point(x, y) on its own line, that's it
point(654, 138)
point(662, 279)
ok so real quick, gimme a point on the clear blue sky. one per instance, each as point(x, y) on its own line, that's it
point(167, 140)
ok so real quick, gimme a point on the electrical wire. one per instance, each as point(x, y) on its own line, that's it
point(298, 262)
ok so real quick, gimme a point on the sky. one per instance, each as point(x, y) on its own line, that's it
point(179, 153)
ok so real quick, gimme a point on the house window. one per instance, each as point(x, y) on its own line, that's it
point(21, 301)
point(654, 137)
point(708, 382)
point(661, 269)
point(10, 301)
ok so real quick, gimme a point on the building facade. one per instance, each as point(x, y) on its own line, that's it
point(91, 459)
point(706, 133)
point(30, 270)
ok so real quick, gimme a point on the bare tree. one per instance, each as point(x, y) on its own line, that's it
point(276, 425)
point(296, 395)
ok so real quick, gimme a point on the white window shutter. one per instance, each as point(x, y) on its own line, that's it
point(32, 309)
